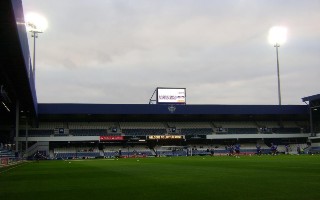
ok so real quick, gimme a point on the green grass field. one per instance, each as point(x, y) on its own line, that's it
point(265, 177)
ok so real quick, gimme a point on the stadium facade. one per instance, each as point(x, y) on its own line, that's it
point(66, 128)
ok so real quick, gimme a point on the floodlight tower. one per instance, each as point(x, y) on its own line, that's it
point(34, 34)
point(35, 24)
point(277, 36)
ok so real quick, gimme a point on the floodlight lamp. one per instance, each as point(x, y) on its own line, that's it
point(277, 35)
point(35, 23)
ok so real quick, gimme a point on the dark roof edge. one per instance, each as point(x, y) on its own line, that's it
point(157, 109)
point(311, 98)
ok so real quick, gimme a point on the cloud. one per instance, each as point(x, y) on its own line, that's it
point(119, 51)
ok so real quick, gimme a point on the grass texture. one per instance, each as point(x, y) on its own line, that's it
point(249, 177)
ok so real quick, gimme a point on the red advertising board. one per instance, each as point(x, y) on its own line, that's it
point(4, 161)
point(110, 138)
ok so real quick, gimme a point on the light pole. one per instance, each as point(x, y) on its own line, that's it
point(35, 24)
point(34, 35)
point(278, 73)
point(277, 36)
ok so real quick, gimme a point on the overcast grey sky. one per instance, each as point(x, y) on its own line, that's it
point(119, 51)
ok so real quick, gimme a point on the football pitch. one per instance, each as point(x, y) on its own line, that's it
point(249, 177)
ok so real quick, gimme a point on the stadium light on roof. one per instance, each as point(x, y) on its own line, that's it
point(35, 24)
point(278, 36)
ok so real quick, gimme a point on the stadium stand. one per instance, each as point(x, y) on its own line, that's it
point(88, 132)
point(73, 152)
point(144, 132)
point(170, 151)
point(314, 150)
point(138, 133)
point(196, 131)
point(128, 151)
point(91, 125)
point(142, 125)
point(4, 153)
point(191, 128)
point(142, 128)
point(63, 125)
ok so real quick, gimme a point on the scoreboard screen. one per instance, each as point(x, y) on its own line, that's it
point(171, 95)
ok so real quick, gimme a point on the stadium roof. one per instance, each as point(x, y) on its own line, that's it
point(311, 98)
point(166, 112)
point(15, 58)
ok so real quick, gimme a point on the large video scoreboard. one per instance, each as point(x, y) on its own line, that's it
point(171, 95)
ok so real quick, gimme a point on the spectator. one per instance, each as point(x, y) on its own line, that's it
point(212, 151)
point(287, 146)
point(231, 150)
point(274, 149)
point(237, 149)
point(258, 149)
point(298, 149)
